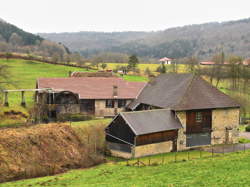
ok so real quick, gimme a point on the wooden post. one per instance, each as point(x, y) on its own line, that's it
point(23, 104)
point(149, 161)
point(212, 151)
point(6, 103)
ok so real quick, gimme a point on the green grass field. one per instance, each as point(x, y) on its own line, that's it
point(230, 170)
point(23, 75)
point(143, 67)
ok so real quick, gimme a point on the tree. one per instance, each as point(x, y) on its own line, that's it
point(133, 62)
point(161, 68)
point(191, 62)
point(103, 65)
point(219, 60)
point(147, 72)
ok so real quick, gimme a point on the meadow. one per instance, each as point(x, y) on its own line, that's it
point(23, 75)
point(228, 170)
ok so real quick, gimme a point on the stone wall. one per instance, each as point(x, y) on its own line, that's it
point(152, 149)
point(225, 124)
point(181, 141)
point(101, 110)
point(120, 154)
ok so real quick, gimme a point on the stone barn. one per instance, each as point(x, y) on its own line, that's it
point(97, 96)
point(207, 116)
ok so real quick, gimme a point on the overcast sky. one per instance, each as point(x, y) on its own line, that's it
point(117, 15)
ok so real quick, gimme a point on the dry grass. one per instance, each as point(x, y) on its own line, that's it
point(42, 150)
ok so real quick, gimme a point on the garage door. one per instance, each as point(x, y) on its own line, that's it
point(198, 139)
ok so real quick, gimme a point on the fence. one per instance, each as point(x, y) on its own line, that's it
point(183, 156)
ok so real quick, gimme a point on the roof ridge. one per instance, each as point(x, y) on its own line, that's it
point(141, 111)
point(186, 91)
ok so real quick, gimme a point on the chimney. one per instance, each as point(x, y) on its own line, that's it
point(115, 91)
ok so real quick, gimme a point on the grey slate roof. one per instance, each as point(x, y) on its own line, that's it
point(182, 92)
point(151, 121)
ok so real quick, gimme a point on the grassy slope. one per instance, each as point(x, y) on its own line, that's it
point(230, 170)
point(23, 76)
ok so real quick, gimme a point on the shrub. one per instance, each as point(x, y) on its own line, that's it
point(74, 117)
point(248, 128)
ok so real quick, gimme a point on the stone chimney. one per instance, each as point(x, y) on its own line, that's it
point(115, 91)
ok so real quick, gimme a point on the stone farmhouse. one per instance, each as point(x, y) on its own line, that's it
point(174, 112)
point(97, 96)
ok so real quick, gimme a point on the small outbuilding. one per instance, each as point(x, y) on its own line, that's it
point(136, 134)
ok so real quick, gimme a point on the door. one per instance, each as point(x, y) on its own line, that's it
point(198, 139)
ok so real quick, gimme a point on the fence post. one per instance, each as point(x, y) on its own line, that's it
point(149, 161)
point(212, 151)
point(95, 144)
point(188, 154)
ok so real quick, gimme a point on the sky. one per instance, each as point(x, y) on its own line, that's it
point(118, 15)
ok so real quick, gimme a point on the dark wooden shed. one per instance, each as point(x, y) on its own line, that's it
point(131, 129)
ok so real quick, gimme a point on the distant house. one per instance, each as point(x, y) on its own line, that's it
point(246, 62)
point(207, 63)
point(98, 96)
point(166, 60)
point(174, 112)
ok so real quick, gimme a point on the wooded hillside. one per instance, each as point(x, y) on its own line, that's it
point(202, 40)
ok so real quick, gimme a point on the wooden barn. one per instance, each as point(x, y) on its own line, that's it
point(135, 134)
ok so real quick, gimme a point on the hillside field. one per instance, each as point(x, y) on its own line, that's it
point(229, 170)
point(23, 75)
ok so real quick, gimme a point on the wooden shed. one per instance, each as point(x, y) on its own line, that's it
point(136, 134)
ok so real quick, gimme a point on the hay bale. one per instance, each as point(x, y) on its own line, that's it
point(41, 150)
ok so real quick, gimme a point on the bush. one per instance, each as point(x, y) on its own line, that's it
point(74, 117)
point(248, 128)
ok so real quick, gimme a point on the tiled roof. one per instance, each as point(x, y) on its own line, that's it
point(93, 87)
point(182, 92)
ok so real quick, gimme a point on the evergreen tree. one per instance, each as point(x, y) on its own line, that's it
point(133, 62)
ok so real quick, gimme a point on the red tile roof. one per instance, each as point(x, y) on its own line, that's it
point(207, 63)
point(93, 87)
point(165, 59)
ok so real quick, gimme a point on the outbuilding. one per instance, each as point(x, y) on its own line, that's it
point(136, 134)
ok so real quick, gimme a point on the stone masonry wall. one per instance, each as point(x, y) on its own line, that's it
point(225, 124)
point(101, 110)
point(181, 141)
point(152, 149)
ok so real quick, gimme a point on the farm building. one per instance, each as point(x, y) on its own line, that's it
point(98, 96)
point(180, 111)
point(166, 60)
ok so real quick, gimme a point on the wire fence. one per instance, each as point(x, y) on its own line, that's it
point(183, 156)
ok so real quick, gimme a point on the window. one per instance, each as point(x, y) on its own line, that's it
point(198, 117)
point(121, 103)
point(110, 103)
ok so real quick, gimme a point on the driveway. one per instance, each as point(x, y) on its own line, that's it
point(228, 148)
point(245, 135)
